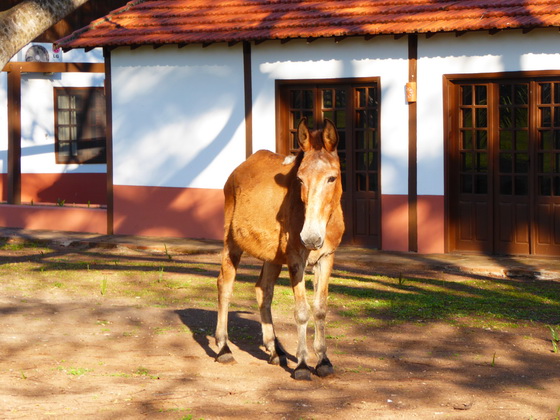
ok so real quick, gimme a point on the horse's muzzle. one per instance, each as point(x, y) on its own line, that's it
point(312, 242)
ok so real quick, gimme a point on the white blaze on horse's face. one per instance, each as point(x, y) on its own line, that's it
point(318, 176)
point(318, 182)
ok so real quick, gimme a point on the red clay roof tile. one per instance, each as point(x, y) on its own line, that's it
point(149, 22)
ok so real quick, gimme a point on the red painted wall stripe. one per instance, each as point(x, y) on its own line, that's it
point(49, 188)
point(394, 222)
point(172, 212)
point(431, 223)
point(72, 188)
point(69, 219)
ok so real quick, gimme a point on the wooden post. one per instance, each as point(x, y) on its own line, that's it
point(109, 140)
point(412, 145)
point(14, 134)
point(248, 86)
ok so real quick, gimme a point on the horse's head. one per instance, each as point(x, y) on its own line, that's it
point(319, 177)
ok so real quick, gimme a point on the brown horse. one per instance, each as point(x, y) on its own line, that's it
point(285, 210)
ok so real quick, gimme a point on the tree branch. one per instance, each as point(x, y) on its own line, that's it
point(27, 20)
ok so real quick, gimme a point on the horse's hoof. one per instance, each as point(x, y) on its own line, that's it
point(225, 356)
point(302, 373)
point(278, 360)
point(280, 357)
point(274, 359)
point(324, 368)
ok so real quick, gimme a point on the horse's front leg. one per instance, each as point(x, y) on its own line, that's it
point(265, 292)
point(301, 314)
point(322, 270)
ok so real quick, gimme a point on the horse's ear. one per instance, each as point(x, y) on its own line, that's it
point(303, 135)
point(330, 136)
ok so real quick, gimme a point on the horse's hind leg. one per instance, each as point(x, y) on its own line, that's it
point(264, 290)
point(230, 260)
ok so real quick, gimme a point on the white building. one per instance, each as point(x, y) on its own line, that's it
point(449, 115)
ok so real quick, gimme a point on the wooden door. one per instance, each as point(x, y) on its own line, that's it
point(470, 170)
point(354, 109)
point(504, 166)
point(512, 192)
point(547, 168)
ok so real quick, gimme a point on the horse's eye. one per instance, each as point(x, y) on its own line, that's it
point(331, 179)
point(300, 180)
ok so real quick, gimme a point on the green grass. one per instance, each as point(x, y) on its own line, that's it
point(103, 286)
point(142, 371)
point(495, 301)
point(74, 371)
point(361, 299)
point(7, 245)
point(555, 337)
point(120, 375)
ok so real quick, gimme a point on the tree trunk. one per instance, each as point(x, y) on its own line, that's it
point(26, 21)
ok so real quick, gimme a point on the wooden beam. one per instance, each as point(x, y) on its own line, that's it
point(37, 67)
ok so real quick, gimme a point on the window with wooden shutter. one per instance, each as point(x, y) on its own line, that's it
point(80, 124)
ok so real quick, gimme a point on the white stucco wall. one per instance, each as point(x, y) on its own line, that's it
point(351, 58)
point(471, 53)
point(37, 114)
point(178, 115)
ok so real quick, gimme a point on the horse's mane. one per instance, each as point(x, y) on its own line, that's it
point(316, 139)
point(296, 157)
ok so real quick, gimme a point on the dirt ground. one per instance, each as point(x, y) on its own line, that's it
point(66, 352)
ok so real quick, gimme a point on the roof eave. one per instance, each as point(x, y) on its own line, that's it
point(74, 41)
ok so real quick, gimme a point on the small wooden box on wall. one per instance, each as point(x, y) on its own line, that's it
point(411, 92)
